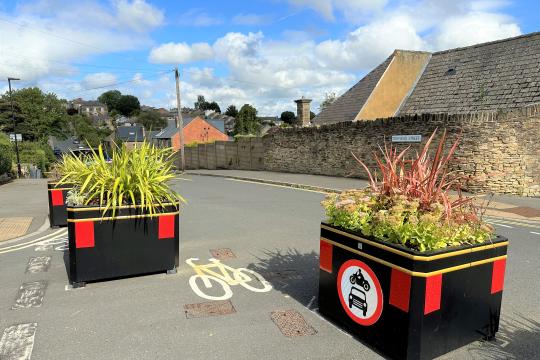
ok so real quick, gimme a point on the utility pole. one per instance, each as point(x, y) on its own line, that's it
point(180, 121)
point(19, 172)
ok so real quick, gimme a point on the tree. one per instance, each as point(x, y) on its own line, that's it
point(201, 103)
point(312, 115)
point(213, 106)
point(151, 120)
point(37, 114)
point(110, 98)
point(247, 121)
point(288, 117)
point(128, 105)
point(231, 111)
point(329, 98)
point(84, 130)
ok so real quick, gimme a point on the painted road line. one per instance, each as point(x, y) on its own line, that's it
point(528, 223)
point(17, 342)
point(517, 223)
point(183, 179)
point(38, 264)
point(32, 242)
point(498, 224)
point(535, 233)
point(30, 295)
point(275, 185)
point(59, 243)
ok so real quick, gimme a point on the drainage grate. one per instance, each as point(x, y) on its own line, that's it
point(210, 308)
point(30, 295)
point(291, 323)
point(524, 211)
point(38, 264)
point(222, 254)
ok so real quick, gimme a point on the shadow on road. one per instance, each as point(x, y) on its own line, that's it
point(291, 272)
point(518, 338)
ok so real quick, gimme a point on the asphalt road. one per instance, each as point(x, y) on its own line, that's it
point(271, 230)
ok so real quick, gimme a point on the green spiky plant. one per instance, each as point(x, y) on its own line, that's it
point(137, 176)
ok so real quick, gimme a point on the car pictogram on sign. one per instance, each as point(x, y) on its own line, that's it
point(360, 292)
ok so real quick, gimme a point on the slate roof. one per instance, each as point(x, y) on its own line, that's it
point(348, 105)
point(133, 133)
point(218, 124)
point(166, 133)
point(489, 76)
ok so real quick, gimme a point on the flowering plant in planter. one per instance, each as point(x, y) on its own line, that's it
point(411, 203)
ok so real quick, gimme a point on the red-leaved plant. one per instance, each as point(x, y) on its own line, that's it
point(425, 178)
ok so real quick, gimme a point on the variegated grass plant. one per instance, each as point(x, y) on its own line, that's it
point(137, 176)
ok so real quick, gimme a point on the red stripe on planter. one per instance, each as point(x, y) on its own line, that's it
point(326, 256)
point(433, 294)
point(84, 234)
point(166, 227)
point(57, 197)
point(497, 276)
point(400, 289)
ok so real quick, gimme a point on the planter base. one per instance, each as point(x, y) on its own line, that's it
point(407, 304)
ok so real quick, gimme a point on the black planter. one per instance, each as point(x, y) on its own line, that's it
point(133, 243)
point(407, 304)
point(57, 203)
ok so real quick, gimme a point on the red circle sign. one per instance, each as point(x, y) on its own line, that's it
point(360, 292)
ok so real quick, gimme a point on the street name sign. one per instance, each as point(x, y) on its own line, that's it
point(406, 138)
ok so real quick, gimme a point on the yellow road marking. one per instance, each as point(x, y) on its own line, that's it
point(276, 185)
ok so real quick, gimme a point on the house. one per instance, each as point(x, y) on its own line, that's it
point(94, 109)
point(130, 135)
point(502, 74)
point(196, 129)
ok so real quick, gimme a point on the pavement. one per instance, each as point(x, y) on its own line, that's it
point(23, 207)
point(269, 229)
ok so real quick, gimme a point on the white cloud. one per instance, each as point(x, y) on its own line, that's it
point(474, 28)
point(197, 17)
point(352, 10)
point(180, 53)
point(98, 80)
point(138, 15)
point(370, 44)
point(251, 19)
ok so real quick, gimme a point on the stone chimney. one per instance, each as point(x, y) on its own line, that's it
point(303, 111)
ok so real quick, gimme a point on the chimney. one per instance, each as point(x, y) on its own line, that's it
point(303, 111)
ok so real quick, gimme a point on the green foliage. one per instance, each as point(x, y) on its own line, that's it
point(84, 129)
point(312, 115)
point(37, 114)
point(202, 104)
point(151, 120)
point(411, 203)
point(6, 154)
point(247, 121)
point(128, 105)
point(110, 98)
point(137, 176)
point(399, 220)
point(36, 153)
point(288, 117)
point(231, 111)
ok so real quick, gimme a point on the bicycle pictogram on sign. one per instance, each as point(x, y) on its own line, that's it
point(218, 274)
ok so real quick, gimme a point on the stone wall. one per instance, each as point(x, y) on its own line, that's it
point(499, 151)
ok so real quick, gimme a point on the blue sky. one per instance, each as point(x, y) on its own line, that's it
point(263, 52)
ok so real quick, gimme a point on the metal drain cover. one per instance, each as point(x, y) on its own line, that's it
point(222, 254)
point(291, 323)
point(210, 308)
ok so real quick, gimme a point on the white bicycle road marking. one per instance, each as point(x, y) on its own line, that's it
point(247, 278)
point(58, 243)
point(30, 243)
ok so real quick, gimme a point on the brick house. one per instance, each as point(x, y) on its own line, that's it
point(196, 129)
point(497, 75)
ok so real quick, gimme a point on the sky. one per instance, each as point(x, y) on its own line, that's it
point(266, 53)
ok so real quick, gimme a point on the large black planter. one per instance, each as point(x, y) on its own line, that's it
point(57, 203)
point(407, 304)
point(133, 243)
